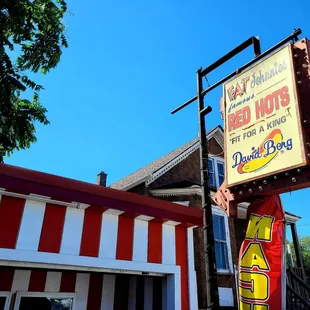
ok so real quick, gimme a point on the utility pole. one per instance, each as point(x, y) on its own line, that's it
point(209, 249)
point(210, 263)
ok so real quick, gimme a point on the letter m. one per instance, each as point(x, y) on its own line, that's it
point(259, 227)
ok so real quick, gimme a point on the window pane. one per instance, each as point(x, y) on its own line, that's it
point(211, 179)
point(221, 255)
point(211, 168)
point(211, 173)
point(44, 303)
point(221, 180)
point(2, 302)
point(219, 228)
point(216, 224)
point(220, 168)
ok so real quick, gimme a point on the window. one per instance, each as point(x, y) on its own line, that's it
point(220, 173)
point(216, 171)
point(222, 241)
point(211, 173)
point(44, 301)
point(5, 298)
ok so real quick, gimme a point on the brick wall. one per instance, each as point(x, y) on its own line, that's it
point(189, 169)
point(215, 148)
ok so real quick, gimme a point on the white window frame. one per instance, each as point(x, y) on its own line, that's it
point(219, 212)
point(216, 160)
point(182, 203)
point(8, 296)
point(214, 172)
point(19, 295)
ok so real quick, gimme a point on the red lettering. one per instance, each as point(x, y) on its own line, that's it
point(246, 115)
point(259, 108)
point(233, 92)
point(231, 122)
point(276, 99)
point(267, 105)
point(285, 96)
point(244, 81)
point(238, 91)
point(230, 92)
point(239, 118)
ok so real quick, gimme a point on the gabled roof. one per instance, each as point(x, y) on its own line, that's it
point(147, 171)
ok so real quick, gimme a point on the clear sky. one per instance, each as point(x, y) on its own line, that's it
point(129, 63)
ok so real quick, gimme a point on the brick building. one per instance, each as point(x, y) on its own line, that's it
point(176, 177)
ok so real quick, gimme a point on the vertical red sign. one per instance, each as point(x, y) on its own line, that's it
point(261, 257)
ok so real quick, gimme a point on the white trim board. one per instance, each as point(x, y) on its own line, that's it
point(62, 261)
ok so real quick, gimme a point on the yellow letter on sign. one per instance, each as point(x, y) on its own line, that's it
point(260, 227)
point(246, 306)
point(253, 285)
point(254, 256)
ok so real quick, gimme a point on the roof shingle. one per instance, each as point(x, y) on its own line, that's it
point(154, 166)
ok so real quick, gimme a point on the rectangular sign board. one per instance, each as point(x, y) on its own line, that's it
point(262, 120)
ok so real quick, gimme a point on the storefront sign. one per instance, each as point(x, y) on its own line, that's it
point(261, 260)
point(262, 123)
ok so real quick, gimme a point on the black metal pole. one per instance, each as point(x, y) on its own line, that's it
point(299, 260)
point(258, 57)
point(210, 264)
point(211, 272)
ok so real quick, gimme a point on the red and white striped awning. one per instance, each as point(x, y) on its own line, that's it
point(94, 197)
point(53, 222)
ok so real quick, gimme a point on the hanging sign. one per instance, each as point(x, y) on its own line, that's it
point(261, 259)
point(262, 122)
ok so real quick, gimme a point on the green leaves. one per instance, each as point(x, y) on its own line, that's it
point(304, 245)
point(35, 27)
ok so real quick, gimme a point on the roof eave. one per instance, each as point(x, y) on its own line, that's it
point(134, 184)
point(27, 181)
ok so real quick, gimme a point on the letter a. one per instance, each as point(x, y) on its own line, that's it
point(261, 129)
point(254, 256)
point(259, 227)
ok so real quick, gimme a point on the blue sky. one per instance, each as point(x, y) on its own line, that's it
point(129, 63)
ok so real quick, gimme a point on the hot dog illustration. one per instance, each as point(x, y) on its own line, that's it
point(263, 155)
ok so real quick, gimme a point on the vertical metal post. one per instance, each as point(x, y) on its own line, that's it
point(299, 261)
point(289, 252)
point(256, 45)
point(210, 264)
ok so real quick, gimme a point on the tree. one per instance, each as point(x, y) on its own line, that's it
point(34, 30)
point(304, 244)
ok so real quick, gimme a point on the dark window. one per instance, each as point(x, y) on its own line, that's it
point(211, 173)
point(45, 303)
point(220, 171)
point(2, 302)
point(220, 242)
point(216, 172)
